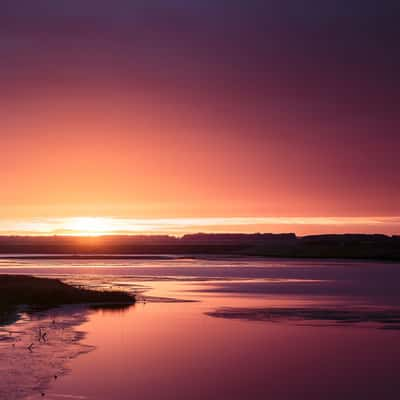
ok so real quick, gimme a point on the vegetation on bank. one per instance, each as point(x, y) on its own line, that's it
point(16, 290)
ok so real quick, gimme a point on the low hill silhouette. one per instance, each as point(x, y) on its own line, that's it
point(230, 244)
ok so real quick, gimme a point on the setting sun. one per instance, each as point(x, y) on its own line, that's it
point(88, 226)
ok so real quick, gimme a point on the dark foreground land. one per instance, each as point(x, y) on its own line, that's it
point(262, 244)
point(16, 290)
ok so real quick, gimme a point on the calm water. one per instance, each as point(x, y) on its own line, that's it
point(212, 329)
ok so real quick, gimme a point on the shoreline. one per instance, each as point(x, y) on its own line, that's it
point(263, 245)
point(183, 256)
point(33, 293)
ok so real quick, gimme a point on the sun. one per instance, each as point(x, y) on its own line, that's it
point(88, 226)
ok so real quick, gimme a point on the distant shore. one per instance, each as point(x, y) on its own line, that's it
point(287, 245)
point(23, 290)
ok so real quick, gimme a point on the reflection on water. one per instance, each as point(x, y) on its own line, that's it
point(37, 350)
point(216, 329)
point(112, 308)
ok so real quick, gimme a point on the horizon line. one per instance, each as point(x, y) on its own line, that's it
point(126, 226)
point(166, 235)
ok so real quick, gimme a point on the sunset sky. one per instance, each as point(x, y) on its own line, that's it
point(176, 116)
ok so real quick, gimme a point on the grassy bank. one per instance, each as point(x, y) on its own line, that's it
point(16, 290)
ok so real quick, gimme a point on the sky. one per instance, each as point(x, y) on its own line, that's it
point(218, 115)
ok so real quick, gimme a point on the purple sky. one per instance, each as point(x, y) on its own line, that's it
point(171, 109)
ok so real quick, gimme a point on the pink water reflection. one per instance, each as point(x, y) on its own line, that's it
point(174, 351)
point(161, 350)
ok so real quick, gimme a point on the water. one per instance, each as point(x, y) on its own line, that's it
point(212, 328)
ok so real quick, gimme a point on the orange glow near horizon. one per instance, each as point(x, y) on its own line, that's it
point(80, 155)
point(185, 118)
point(100, 226)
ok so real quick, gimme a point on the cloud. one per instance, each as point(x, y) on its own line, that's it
point(179, 226)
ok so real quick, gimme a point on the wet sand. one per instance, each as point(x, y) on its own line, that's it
point(38, 349)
